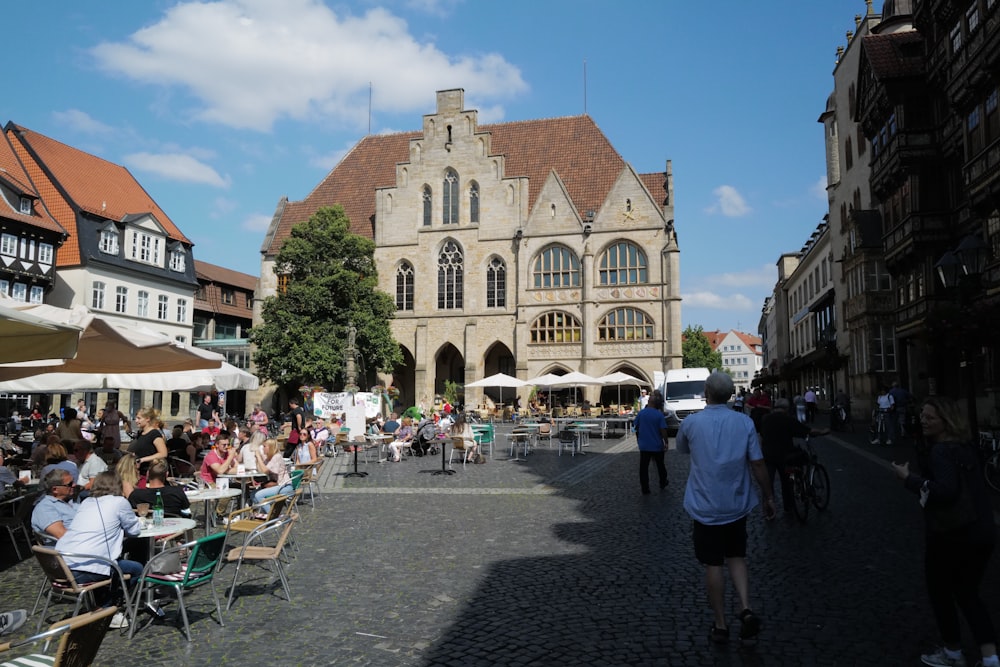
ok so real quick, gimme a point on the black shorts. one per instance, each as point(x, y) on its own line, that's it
point(714, 544)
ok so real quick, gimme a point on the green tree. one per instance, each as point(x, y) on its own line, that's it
point(331, 282)
point(697, 351)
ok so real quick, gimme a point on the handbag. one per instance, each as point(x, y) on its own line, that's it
point(167, 563)
point(962, 512)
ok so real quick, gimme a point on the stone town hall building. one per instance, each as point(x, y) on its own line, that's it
point(525, 247)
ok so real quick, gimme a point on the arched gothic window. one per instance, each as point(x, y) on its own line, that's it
point(474, 202)
point(427, 205)
point(404, 286)
point(450, 276)
point(496, 284)
point(556, 327)
point(450, 200)
point(623, 263)
point(625, 324)
point(556, 267)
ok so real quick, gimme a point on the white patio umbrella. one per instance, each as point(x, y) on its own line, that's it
point(25, 337)
point(108, 347)
point(577, 379)
point(548, 380)
point(619, 378)
point(500, 380)
point(225, 378)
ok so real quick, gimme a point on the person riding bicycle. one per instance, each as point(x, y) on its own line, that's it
point(885, 411)
point(777, 432)
point(841, 413)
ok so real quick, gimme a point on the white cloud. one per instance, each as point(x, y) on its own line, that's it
point(176, 167)
point(717, 301)
point(328, 161)
point(764, 275)
point(434, 7)
point(81, 121)
point(222, 206)
point(729, 202)
point(818, 189)
point(257, 222)
point(250, 63)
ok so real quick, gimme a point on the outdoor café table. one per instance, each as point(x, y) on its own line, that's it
point(515, 438)
point(207, 496)
point(582, 433)
point(356, 473)
point(171, 526)
point(245, 478)
point(441, 442)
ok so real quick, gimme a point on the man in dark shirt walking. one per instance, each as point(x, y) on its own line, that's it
point(651, 435)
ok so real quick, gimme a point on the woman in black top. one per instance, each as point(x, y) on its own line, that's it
point(149, 445)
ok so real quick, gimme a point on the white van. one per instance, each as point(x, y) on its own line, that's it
point(684, 390)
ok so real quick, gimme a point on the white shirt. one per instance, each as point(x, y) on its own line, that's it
point(99, 529)
point(885, 402)
point(90, 468)
point(643, 400)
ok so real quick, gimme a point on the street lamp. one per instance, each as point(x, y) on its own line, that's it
point(961, 268)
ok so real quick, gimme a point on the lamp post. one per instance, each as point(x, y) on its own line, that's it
point(961, 269)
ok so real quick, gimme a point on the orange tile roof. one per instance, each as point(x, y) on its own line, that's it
point(13, 174)
point(715, 337)
point(68, 177)
point(572, 146)
point(749, 340)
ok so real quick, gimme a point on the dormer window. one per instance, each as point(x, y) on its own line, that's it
point(146, 248)
point(26, 205)
point(109, 241)
point(177, 260)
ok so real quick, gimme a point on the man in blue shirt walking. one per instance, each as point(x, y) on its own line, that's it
point(725, 453)
point(651, 434)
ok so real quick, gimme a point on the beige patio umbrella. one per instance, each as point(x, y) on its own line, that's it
point(25, 337)
point(500, 380)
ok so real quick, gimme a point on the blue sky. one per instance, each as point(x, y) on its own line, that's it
point(220, 108)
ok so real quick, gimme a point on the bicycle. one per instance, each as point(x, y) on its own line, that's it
point(989, 443)
point(810, 482)
point(840, 419)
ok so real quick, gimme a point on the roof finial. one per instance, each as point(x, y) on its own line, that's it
point(850, 36)
point(868, 4)
point(840, 53)
point(857, 21)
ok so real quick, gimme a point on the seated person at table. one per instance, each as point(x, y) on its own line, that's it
point(7, 476)
point(404, 434)
point(279, 481)
point(318, 436)
point(99, 528)
point(196, 447)
point(90, 464)
point(305, 452)
point(248, 452)
point(108, 452)
point(177, 445)
point(390, 427)
point(54, 511)
point(461, 429)
point(57, 457)
point(175, 501)
point(127, 470)
point(222, 460)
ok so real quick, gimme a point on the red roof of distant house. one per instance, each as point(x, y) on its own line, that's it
point(13, 174)
point(66, 177)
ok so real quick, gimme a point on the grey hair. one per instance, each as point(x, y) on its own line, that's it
point(719, 387)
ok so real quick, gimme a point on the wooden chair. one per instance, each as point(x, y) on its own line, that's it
point(202, 563)
point(244, 520)
point(63, 585)
point(79, 639)
point(279, 530)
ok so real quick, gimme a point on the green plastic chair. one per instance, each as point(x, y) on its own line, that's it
point(202, 564)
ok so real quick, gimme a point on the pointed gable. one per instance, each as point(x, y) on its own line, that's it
point(14, 177)
point(572, 147)
point(70, 180)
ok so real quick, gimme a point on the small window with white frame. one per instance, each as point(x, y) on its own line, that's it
point(182, 306)
point(4, 288)
point(8, 245)
point(108, 243)
point(36, 294)
point(161, 307)
point(143, 303)
point(45, 253)
point(20, 292)
point(121, 299)
point(145, 248)
point(177, 260)
point(26, 205)
point(97, 295)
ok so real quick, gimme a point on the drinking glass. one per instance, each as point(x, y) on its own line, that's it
point(142, 509)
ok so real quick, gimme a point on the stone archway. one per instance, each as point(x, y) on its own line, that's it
point(449, 364)
point(404, 381)
point(629, 392)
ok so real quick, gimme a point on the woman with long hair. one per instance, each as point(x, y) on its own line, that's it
point(461, 429)
point(149, 445)
point(269, 459)
point(127, 470)
point(960, 532)
point(56, 456)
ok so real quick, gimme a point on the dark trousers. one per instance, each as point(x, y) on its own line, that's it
point(954, 572)
point(644, 459)
point(776, 468)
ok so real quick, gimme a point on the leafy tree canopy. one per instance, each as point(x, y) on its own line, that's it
point(697, 351)
point(332, 282)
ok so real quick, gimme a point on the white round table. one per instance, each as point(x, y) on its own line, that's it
point(207, 496)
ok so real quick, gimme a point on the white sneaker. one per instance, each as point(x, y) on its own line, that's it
point(940, 659)
point(119, 621)
point(12, 620)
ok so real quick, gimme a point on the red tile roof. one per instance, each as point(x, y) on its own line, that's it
point(12, 173)
point(213, 279)
point(68, 177)
point(572, 146)
point(751, 341)
point(218, 274)
point(715, 338)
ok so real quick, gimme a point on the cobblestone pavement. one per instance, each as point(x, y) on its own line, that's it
point(559, 561)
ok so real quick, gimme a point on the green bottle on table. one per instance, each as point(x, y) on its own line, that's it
point(158, 510)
